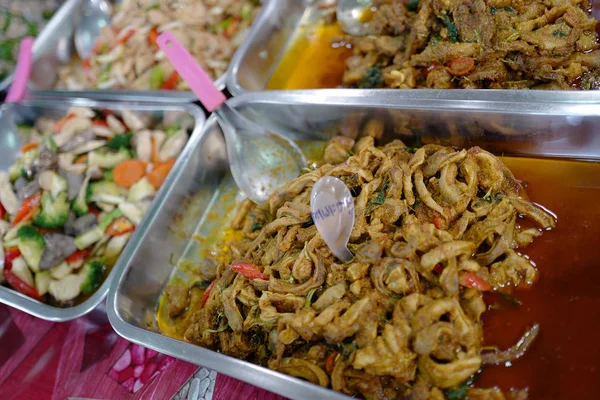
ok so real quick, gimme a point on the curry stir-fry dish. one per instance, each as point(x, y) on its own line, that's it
point(436, 227)
point(497, 44)
point(126, 55)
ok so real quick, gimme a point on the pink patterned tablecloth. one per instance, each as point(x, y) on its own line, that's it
point(85, 358)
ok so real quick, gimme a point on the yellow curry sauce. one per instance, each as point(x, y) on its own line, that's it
point(313, 61)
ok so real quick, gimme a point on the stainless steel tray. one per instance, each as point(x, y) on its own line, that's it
point(198, 198)
point(11, 114)
point(278, 26)
point(54, 47)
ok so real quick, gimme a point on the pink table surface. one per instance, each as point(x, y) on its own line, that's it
point(45, 360)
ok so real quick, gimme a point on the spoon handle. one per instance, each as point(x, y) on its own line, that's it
point(192, 73)
point(18, 88)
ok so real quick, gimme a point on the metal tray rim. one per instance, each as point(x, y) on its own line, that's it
point(245, 371)
point(50, 313)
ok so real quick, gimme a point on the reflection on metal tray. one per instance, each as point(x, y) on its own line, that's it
point(55, 47)
point(201, 196)
point(10, 144)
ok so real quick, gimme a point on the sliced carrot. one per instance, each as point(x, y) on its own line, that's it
point(171, 82)
point(129, 172)
point(154, 152)
point(27, 209)
point(28, 146)
point(81, 159)
point(152, 36)
point(160, 173)
point(58, 125)
point(125, 37)
point(120, 226)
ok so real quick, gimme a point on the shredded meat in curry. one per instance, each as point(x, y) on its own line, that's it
point(435, 228)
point(497, 44)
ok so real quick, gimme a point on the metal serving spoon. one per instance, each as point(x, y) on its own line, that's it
point(349, 13)
point(332, 211)
point(95, 14)
point(260, 161)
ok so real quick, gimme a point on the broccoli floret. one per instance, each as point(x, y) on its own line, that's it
point(53, 213)
point(120, 141)
point(104, 191)
point(31, 244)
point(107, 174)
point(86, 239)
point(93, 272)
point(105, 159)
point(79, 205)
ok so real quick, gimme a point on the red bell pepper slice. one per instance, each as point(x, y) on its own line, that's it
point(79, 255)
point(27, 208)
point(206, 294)
point(171, 82)
point(249, 271)
point(470, 280)
point(22, 287)
point(120, 226)
point(9, 256)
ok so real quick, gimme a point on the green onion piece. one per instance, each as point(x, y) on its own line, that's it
point(309, 297)
point(156, 77)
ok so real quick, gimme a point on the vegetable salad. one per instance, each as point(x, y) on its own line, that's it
point(76, 193)
point(126, 55)
point(19, 19)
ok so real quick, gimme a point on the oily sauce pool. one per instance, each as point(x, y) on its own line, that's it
point(564, 360)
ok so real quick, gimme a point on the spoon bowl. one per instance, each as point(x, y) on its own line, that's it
point(349, 14)
point(260, 161)
point(95, 14)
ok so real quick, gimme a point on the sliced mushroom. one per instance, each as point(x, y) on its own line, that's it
point(173, 146)
point(7, 196)
point(102, 131)
point(83, 112)
point(143, 145)
point(133, 120)
point(115, 125)
point(70, 128)
point(89, 146)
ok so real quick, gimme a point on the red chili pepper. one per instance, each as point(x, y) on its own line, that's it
point(330, 362)
point(438, 269)
point(171, 82)
point(232, 28)
point(61, 122)
point(125, 37)
point(431, 67)
point(27, 208)
point(93, 210)
point(249, 271)
point(22, 287)
point(2, 211)
point(152, 36)
point(99, 122)
point(438, 221)
point(79, 255)
point(120, 226)
point(470, 280)
point(206, 294)
point(9, 257)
